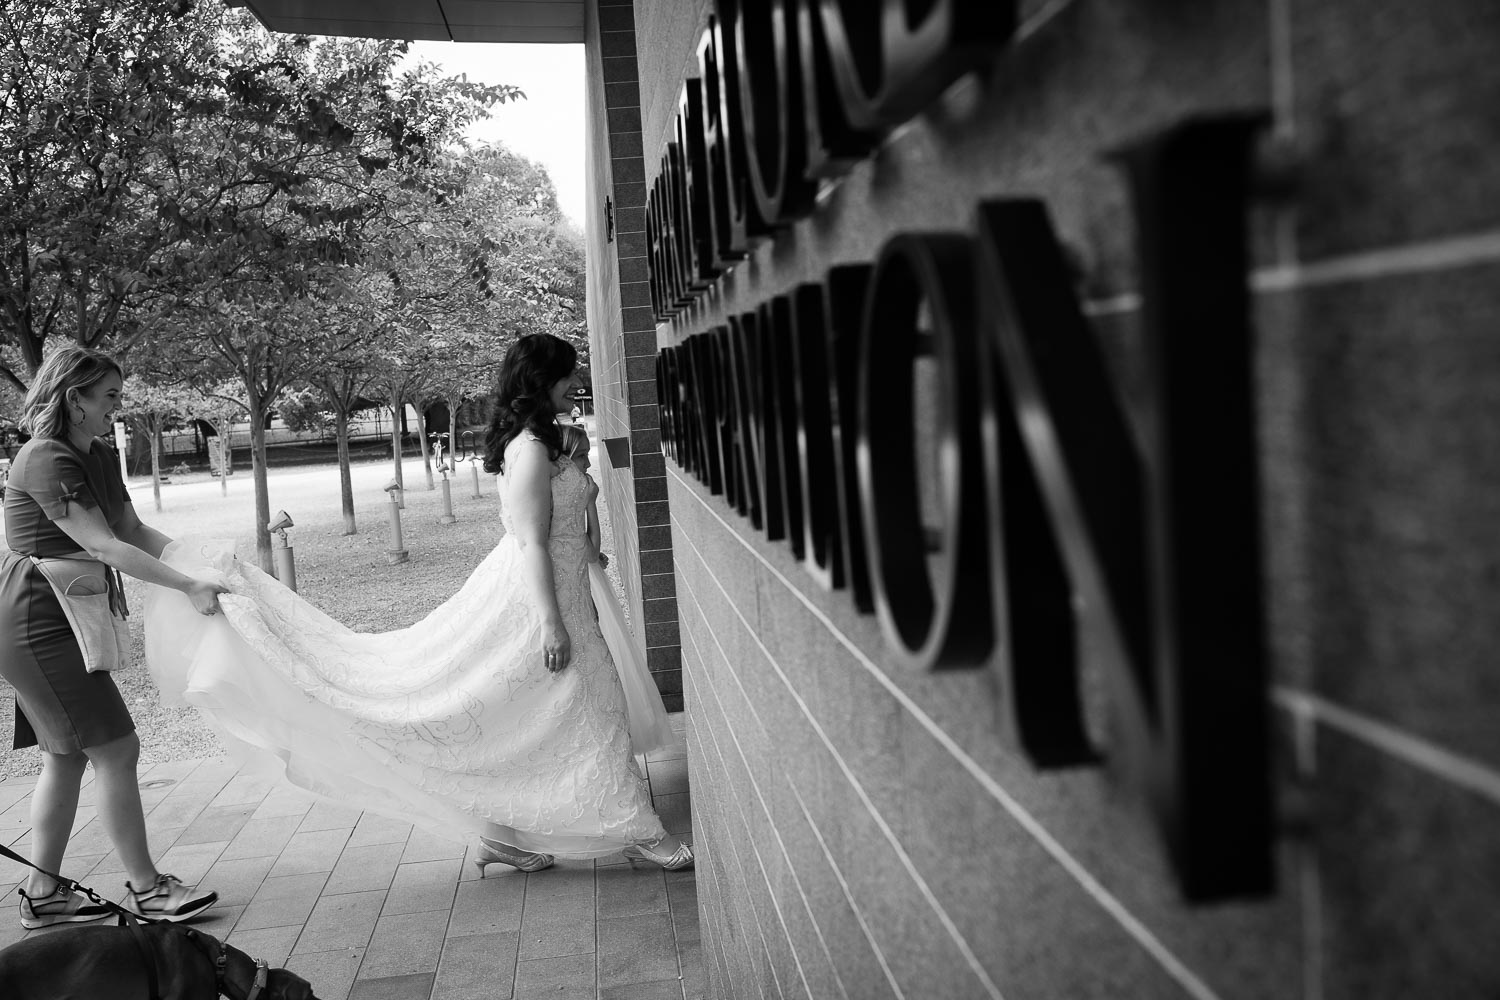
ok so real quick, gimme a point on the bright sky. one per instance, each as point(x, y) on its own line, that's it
point(548, 125)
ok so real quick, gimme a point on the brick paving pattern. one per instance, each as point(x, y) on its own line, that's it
point(366, 908)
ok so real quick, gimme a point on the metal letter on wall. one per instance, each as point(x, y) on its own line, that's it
point(891, 62)
point(765, 38)
point(822, 546)
point(655, 251)
point(922, 54)
point(668, 404)
point(702, 383)
point(832, 142)
point(673, 177)
point(1203, 752)
point(737, 225)
point(848, 284)
point(931, 588)
point(740, 365)
point(1053, 382)
point(781, 475)
point(695, 185)
point(726, 418)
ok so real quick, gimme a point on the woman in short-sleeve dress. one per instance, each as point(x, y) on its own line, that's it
point(65, 497)
point(75, 709)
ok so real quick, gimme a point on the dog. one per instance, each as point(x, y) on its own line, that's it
point(110, 963)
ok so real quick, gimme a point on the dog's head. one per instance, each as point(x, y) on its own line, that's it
point(283, 984)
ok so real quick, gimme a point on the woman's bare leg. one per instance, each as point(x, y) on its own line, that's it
point(120, 805)
point(54, 806)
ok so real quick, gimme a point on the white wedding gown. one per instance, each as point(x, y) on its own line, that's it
point(453, 724)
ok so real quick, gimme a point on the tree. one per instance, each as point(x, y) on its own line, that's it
point(150, 407)
point(219, 405)
point(341, 383)
point(403, 360)
point(495, 260)
point(259, 344)
point(528, 260)
point(156, 148)
point(88, 94)
point(182, 184)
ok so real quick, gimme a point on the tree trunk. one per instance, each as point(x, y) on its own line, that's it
point(426, 448)
point(154, 425)
point(262, 489)
point(346, 479)
point(220, 446)
point(453, 434)
point(136, 453)
point(396, 416)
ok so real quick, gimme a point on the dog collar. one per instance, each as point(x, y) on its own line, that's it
point(262, 972)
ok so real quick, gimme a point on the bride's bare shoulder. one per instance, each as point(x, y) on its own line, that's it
point(524, 443)
point(528, 450)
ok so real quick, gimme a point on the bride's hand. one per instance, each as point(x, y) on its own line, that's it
point(205, 595)
point(557, 648)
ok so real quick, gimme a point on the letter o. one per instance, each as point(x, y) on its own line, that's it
point(935, 613)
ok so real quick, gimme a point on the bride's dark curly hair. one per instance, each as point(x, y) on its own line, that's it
point(523, 396)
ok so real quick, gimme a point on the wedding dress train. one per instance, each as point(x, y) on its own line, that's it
point(453, 724)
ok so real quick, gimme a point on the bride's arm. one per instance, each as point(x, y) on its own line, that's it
point(529, 474)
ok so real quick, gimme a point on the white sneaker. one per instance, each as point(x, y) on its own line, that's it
point(59, 906)
point(168, 899)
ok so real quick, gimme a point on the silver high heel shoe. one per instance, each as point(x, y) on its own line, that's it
point(676, 861)
point(491, 852)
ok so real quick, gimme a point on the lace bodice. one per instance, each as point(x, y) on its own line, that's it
point(571, 492)
point(567, 542)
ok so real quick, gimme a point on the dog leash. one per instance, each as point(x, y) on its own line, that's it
point(126, 918)
point(134, 921)
point(74, 886)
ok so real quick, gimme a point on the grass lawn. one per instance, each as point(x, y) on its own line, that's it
point(346, 576)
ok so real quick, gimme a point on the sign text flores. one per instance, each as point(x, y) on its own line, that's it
point(1057, 525)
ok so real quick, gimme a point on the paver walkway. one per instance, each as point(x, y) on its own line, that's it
point(365, 908)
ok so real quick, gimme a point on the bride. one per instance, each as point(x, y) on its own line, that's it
point(500, 714)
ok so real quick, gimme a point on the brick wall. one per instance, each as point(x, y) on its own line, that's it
point(623, 343)
point(863, 829)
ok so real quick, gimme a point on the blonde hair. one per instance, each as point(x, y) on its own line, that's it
point(71, 366)
point(574, 439)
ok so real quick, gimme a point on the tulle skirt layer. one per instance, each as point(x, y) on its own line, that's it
point(454, 724)
point(650, 729)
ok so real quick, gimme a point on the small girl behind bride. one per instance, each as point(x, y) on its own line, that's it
point(649, 726)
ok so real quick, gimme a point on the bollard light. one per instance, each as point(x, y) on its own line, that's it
point(474, 468)
point(447, 517)
point(281, 550)
point(397, 552)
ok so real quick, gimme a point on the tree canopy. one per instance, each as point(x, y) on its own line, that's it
point(161, 151)
point(248, 214)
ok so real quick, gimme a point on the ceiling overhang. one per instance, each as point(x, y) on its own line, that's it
point(438, 20)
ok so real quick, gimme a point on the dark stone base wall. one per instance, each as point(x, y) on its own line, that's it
point(864, 831)
point(622, 339)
